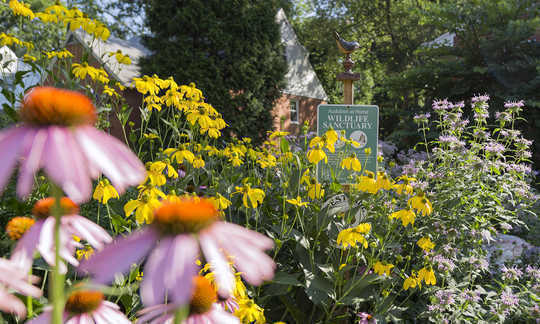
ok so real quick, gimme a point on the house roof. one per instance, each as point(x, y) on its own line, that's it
point(301, 77)
point(100, 50)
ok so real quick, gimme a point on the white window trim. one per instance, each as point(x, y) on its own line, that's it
point(297, 112)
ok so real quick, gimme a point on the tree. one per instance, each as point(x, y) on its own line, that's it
point(231, 49)
point(495, 52)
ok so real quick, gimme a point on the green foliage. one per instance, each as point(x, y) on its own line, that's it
point(495, 52)
point(231, 49)
point(481, 190)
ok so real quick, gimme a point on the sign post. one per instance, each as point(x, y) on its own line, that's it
point(359, 123)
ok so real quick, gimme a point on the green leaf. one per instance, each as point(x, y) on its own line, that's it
point(275, 290)
point(284, 145)
point(292, 307)
point(358, 291)
point(319, 290)
point(119, 223)
point(19, 76)
point(302, 256)
point(284, 278)
point(302, 240)
point(12, 114)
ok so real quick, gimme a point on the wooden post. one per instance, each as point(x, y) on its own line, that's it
point(348, 78)
point(348, 92)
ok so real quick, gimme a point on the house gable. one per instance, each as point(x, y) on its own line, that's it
point(301, 77)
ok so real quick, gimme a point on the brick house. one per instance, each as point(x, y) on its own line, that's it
point(304, 91)
point(298, 103)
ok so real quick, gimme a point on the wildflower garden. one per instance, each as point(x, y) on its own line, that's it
point(174, 224)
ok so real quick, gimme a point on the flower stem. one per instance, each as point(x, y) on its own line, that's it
point(57, 282)
point(181, 314)
point(29, 303)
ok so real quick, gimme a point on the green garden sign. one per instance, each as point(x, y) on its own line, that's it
point(359, 123)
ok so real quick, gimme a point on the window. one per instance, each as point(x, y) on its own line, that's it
point(293, 110)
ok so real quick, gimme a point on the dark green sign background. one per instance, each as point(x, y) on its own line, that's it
point(360, 123)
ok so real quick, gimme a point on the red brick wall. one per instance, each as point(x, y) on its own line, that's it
point(134, 100)
point(307, 111)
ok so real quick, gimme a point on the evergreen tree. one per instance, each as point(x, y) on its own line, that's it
point(231, 49)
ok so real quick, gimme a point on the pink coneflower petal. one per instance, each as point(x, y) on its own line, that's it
point(164, 319)
point(32, 150)
point(218, 263)
point(46, 241)
point(11, 277)
point(110, 156)
point(10, 144)
point(184, 255)
point(158, 312)
point(11, 304)
point(106, 313)
point(171, 265)
point(41, 237)
point(256, 267)
point(215, 316)
point(255, 239)
point(218, 315)
point(153, 287)
point(46, 245)
point(245, 246)
point(88, 231)
point(120, 255)
point(110, 313)
point(81, 319)
point(65, 164)
point(23, 255)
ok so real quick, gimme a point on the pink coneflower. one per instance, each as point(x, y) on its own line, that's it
point(41, 235)
point(86, 306)
point(57, 135)
point(178, 229)
point(12, 278)
point(203, 308)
